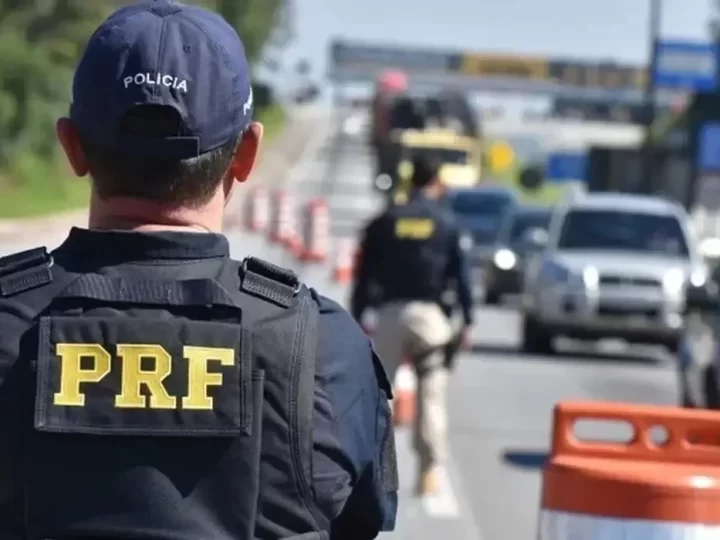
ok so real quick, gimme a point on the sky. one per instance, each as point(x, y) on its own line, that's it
point(571, 29)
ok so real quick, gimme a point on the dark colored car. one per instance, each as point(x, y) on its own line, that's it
point(504, 270)
point(480, 213)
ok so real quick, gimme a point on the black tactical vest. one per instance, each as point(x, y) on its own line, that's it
point(142, 405)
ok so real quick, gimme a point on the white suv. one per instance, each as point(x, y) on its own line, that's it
point(614, 266)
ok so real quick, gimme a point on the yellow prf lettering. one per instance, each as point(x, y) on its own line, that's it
point(134, 377)
point(200, 379)
point(416, 229)
point(72, 375)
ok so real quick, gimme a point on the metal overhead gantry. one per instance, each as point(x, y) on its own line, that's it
point(360, 63)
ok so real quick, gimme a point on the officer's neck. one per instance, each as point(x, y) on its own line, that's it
point(131, 214)
point(433, 191)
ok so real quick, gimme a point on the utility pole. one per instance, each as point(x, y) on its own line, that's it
point(714, 30)
point(650, 98)
point(286, 24)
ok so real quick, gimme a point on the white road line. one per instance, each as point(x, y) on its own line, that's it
point(473, 529)
point(444, 505)
point(449, 504)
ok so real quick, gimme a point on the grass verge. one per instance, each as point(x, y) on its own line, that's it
point(34, 188)
point(273, 119)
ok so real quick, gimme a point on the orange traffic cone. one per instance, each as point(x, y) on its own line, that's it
point(404, 388)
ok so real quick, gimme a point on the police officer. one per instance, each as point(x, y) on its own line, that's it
point(411, 253)
point(151, 386)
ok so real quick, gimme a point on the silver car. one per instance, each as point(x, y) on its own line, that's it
point(614, 266)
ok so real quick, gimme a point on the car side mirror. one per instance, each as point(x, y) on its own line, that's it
point(535, 238)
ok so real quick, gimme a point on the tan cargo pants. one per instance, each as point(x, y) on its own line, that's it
point(410, 330)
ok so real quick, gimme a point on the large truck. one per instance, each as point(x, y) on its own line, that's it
point(395, 109)
point(460, 157)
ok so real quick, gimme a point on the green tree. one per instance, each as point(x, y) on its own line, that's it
point(254, 21)
point(40, 43)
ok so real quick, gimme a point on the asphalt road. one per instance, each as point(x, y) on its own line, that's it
point(500, 400)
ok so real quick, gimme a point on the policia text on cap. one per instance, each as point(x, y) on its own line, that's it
point(150, 386)
point(408, 258)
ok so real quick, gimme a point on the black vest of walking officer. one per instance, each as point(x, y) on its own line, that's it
point(419, 261)
point(151, 386)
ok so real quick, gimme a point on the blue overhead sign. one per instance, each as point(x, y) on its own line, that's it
point(685, 65)
point(566, 166)
point(708, 157)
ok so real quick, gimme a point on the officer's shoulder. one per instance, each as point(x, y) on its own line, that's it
point(444, 215)
point(336, 322)
point(327, 307)
point(345, 352)
point(331, 309)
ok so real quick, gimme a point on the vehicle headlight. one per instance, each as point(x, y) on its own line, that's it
point(674, 281)
point(383, 182)
point(466, 242)
point(698, 277)
point(591, 277)
point(504, 259)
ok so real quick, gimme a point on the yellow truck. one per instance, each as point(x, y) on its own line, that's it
point(460, 156)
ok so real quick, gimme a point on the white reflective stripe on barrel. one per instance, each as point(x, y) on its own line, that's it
point(556, 525)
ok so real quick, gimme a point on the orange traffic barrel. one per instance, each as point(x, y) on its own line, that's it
point(404, 395)
point(316, 231)
point(642, 488)
point(344, 261)
point(282, 227)
point(294, 244)
point(257, 210)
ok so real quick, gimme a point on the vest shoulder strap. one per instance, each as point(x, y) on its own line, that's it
point(270, 282)
point(24, 271)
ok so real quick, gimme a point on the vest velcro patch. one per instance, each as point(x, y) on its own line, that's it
point(134, 376)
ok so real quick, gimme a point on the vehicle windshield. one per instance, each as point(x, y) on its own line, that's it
point(481, 213)
point(443, 155)
point(627, 231)
point(524, 221)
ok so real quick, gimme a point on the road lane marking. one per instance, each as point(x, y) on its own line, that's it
point(471, 526)
point(443, 505)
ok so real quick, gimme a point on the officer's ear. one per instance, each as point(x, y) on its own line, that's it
point(246, 153)
point(69, 139)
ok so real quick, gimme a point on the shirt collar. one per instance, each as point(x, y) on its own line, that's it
point(138, 246)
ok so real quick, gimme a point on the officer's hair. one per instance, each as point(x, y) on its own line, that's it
point(425, 171)
point(188, 182)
